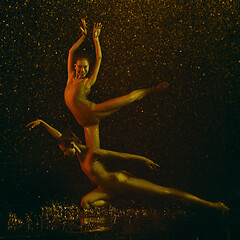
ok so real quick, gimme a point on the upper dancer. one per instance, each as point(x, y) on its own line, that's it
point(87, 113)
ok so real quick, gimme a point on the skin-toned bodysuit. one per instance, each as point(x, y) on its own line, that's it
point(115, 184)
point(87, 113)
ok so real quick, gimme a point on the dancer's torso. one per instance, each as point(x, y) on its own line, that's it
point(75, 96)
point(97, 173)
point(94, 169)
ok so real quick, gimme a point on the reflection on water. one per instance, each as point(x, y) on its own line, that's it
point(121, 221)
point(72, 219)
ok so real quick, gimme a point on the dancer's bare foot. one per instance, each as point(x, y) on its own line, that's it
point(220, 206)
point(162, 86)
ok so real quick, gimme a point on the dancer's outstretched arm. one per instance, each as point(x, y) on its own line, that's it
point(106, 154)
point(96, 33)
point(74, 48)
point(54, 132)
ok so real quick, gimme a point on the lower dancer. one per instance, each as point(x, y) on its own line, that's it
point(114, 184)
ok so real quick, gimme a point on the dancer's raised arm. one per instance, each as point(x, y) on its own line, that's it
point(106, 154)
point(96, 33)
point(54, 132)
point(74, 48)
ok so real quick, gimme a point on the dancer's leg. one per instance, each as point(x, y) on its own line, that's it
point(116, 103)
point(125, 182)
point(92, 136)
point(97, 198)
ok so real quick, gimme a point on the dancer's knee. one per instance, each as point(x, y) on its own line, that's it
point(100, 203)
point(137, 95)
point(132, 96)
point(121, 177)
point(86, 203)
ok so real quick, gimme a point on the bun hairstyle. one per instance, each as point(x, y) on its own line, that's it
point(88, 52)
point(67, 137)
point(82, 56)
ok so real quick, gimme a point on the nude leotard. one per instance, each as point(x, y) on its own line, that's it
point(76, 100)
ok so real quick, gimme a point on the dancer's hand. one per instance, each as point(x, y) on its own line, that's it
point(97, 30)
point(84, 29)
point(33, 124)
point(152, 165)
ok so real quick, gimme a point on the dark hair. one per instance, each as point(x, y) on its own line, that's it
point(67, 137)
point(82, 54)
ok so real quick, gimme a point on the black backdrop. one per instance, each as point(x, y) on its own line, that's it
point(191, 130)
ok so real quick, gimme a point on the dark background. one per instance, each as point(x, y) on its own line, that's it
point(191, 130)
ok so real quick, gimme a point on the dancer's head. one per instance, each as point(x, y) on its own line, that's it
point(65, 143)
point(82, 66)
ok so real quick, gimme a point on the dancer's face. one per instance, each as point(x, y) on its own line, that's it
point(67, 151)
point(82, 67)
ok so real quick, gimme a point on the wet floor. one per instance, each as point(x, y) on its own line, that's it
point(125, 221)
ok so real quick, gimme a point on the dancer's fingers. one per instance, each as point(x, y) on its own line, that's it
point(83, 22)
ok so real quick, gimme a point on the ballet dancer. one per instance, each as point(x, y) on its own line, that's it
point(112, 185)
point(87, 113)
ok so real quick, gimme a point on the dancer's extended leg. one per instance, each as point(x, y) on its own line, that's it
point(105, 109)
point(131, 184)
point(115, 104)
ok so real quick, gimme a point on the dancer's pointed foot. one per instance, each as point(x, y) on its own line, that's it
point(162, 86)
point(221, 206)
